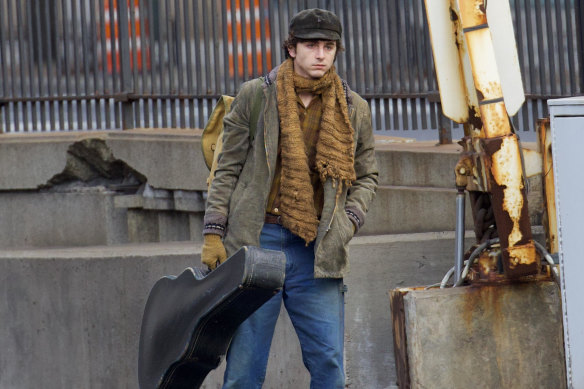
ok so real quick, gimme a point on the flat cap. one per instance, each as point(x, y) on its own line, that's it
point(316, 23)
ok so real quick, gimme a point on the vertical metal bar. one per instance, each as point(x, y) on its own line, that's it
point(199, 63)
point(169, 46)
point(160, 15)
point(4, 126)
point(444, 129)
point(40, 73)
point(94, 47)
point(561, 48)
point(263, 66)
point(151, 18)
point(365, 36)
point(145, 52)
point(171, 62)
point(275, 36)
point(429, 59)
point(190, 103)
point(375, 47)
point(393, 105)
point(572, 51)
point(187, 18)
point(182, 116)
point(11, 49)
point(113, 51)
point(234, 44)
point(105, 80)
point(189, 35)
point(550, 45)
point(225, 48)
point(408, 45)
point(254, 20)
point(76, 32)
point(520, 24)
point(349, 56)
point(22, 108)
point(179, 40)
point(103, 45)
point(56, 78)
point(66, 35)
point(173, 103)
point(66, 65)
point(459, 238)
point(540, 47)
point(530, 50)
point(92, 107)
point(133, 34)
point(405, 114)
point(126, 71)
point(244, 43)
point(579, 8)
point(395, 49)
point(384, 48)
point(219, 84)
point(146, 67)
point(418, 29)
point(31, 72)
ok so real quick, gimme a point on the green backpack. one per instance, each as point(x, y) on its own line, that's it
point(212, 138)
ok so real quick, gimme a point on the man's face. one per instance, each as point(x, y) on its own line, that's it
point(313, 59)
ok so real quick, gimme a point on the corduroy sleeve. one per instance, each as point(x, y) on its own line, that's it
point(230, 161)
point(362, 192)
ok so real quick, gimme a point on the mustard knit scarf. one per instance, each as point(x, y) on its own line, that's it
point(334, 151)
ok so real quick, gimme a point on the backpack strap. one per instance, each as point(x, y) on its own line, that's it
point(255, 111)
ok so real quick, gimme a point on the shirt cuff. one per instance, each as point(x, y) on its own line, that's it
point(356, 217)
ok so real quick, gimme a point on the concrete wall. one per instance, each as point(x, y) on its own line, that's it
point(71, 317)
point(493, 336)
point(147, 186)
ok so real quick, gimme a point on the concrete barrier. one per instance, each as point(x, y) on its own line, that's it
point(71, 317)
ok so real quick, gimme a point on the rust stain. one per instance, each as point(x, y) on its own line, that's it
point(545, 145)
point(482, 302)
point(474, 118)
point(487, 264)
point(453, 15)
point(471, 13)
point(495, 120)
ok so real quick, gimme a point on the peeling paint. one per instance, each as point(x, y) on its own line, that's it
point(523, 255)
point(507, 172)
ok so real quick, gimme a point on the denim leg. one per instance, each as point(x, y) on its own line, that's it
point(316, 308)
point(248, 353)
point(247, 357)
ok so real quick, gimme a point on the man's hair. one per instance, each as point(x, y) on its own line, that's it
point(292, 41)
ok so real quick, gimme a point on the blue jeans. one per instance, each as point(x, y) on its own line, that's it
point(316, 308)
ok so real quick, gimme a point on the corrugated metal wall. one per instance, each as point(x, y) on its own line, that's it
point(89, 64)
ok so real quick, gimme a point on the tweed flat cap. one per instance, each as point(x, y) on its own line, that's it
point(316, 23)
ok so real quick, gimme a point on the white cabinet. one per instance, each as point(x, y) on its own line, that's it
point(567, 128)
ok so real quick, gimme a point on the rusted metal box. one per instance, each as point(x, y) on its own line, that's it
point(567, 129)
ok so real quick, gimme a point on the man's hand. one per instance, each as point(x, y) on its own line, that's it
point(213, 252)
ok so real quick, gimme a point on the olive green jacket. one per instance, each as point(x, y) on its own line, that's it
point(238, 194)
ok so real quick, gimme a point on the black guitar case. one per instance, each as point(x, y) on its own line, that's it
point(189, 320)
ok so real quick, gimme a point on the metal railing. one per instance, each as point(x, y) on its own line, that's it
point(94, 64)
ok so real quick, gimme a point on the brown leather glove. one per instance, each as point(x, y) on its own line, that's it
point(213, 252)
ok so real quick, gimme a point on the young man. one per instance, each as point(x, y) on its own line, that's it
point(302, 184)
